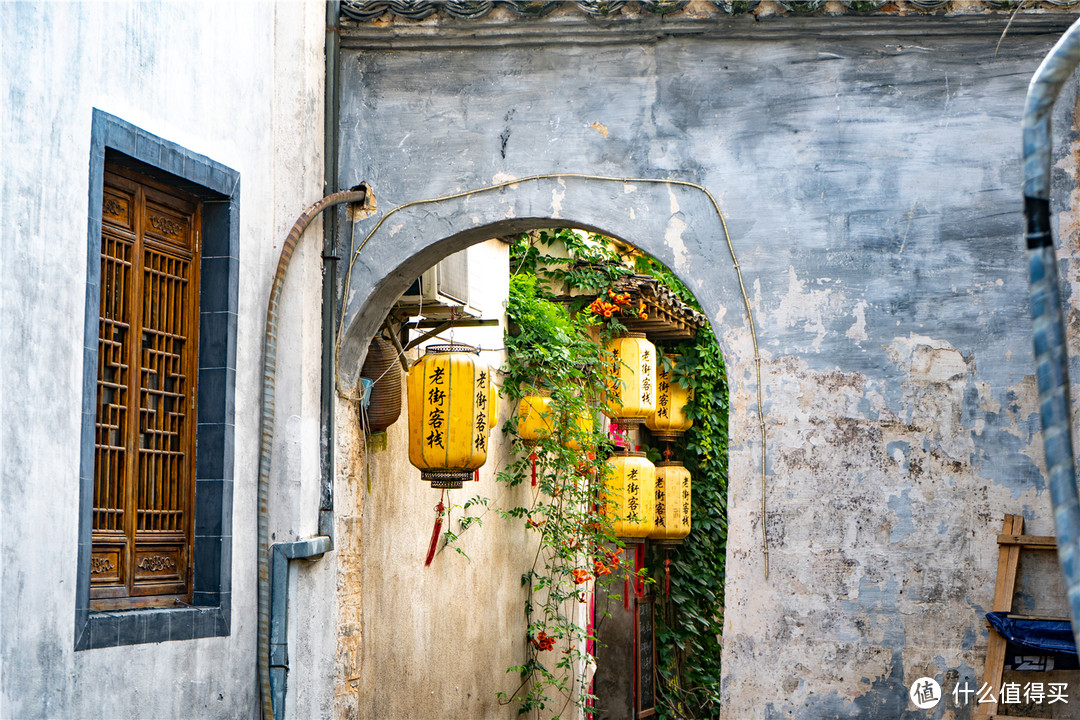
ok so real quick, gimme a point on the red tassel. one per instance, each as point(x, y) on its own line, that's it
point(476, 475)
point(667, 577)
point(533, 458)
point(435, 531)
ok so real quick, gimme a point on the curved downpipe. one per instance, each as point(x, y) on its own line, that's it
point(1051, 358)
point(356, 195)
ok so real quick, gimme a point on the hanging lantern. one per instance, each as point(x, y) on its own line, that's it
point(449, 395)
point(672, 503)
point(630, 494)
point(381, 367)
point(632, 378)
point(493, 401)
point(534, 419)
point(669, 419)
point(583, 425)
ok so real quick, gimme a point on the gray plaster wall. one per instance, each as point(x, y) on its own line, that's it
point(242, 84)
point(868, 171)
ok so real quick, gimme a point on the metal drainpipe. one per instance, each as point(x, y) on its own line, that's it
point(355, 195)
point(1051, 358)
point(312, 549)
point(331, 257)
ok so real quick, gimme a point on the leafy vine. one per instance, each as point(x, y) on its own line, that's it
point(690, 625)
point(551, 352)
point(561, 310)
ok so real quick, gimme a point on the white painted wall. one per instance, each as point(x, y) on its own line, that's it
point(241, 83)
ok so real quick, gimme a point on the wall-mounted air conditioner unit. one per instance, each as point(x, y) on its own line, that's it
point(445, 284)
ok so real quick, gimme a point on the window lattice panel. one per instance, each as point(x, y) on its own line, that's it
point(163, 393)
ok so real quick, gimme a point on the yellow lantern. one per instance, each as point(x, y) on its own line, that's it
point(583, 423)
point(534, 419)
point(449, 396)
point(630, 494)
point(493, 401)
point(669, 419)
point(632, 377)
point(672, 503)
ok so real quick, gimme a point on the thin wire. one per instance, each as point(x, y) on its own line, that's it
point(600, 178)
point(1007, 26)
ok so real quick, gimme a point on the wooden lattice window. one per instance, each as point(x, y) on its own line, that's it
point(146, 391)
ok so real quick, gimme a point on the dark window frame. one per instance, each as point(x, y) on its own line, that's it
point(218, 189)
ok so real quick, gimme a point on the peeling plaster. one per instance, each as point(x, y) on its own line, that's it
point(673, 233)
point(805, 310)
point(857, 331)
point(893, 450)
point(557, 196)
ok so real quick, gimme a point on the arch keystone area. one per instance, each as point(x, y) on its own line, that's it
point(673, 221)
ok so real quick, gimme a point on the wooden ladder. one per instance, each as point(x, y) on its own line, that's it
point(1010, 542)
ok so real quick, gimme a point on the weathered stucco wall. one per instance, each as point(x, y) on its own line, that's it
point(869, 173)
point(243, 85)
point(429, 642)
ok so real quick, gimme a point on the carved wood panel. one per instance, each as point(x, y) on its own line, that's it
point(147, 369)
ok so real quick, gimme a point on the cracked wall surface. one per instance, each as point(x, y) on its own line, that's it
point(870, 181)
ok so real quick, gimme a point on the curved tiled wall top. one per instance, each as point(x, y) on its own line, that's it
point(366, 10)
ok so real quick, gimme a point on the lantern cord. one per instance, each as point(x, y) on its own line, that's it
point(667, 574)
point(598, 178)
point(435, 531)
point(532, 458)
point(639, 565)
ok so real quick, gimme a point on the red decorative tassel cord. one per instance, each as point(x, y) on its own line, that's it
point(476, 475)
point(436, 530)
point(533, 458)
point(667, 577)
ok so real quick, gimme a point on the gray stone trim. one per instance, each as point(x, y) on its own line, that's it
point(566, 27)
point(218, 187)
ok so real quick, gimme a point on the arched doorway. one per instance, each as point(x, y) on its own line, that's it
point(394, 250)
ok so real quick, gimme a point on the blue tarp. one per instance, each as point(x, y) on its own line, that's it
point(1040, 636)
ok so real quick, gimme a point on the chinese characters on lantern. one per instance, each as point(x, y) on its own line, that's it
point(632, 490)
point(481, 410)
point(437, 415)
point(661, 517)
point(663, 396)
point(646, 377)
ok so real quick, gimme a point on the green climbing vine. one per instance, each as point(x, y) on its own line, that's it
point(562, 308)
point(551, 353)
point(690, 623)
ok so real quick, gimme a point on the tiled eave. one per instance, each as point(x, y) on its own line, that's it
point(486, 24)
point(667, 318)
point(364, 11)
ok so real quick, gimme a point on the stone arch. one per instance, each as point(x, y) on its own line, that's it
point(676, 224)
